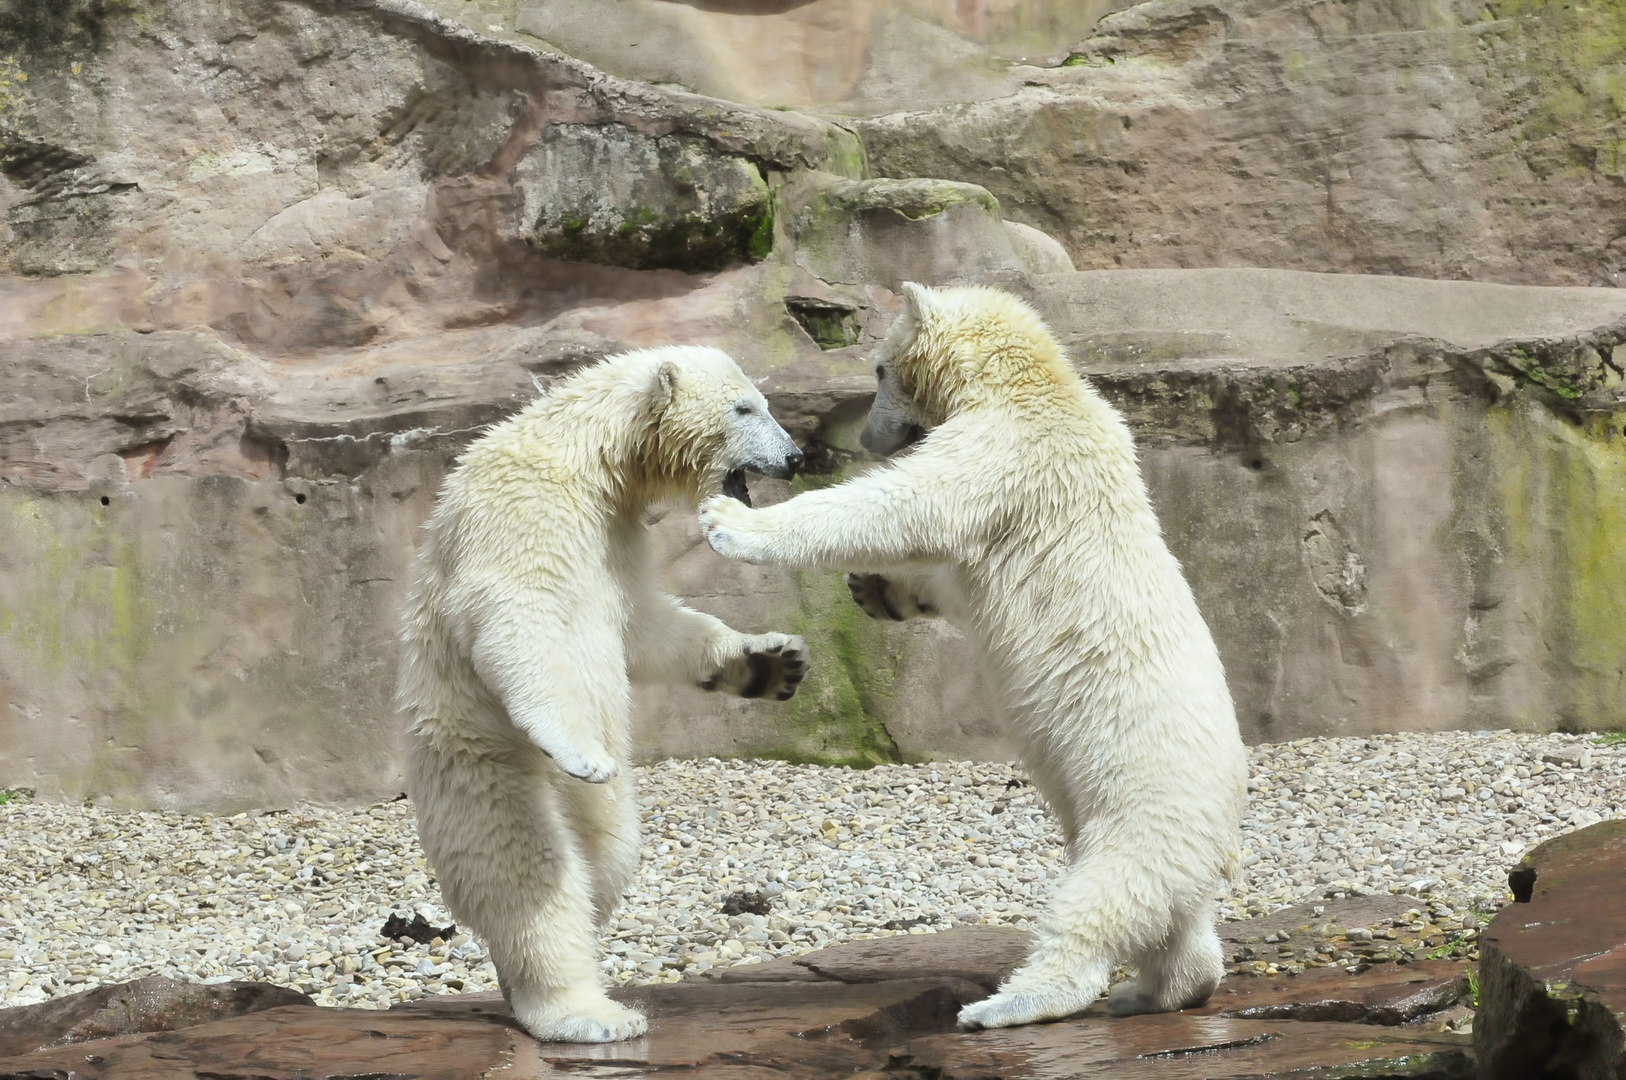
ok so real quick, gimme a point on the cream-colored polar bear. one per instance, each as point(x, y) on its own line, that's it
point(1022, 515)
point(533, 604)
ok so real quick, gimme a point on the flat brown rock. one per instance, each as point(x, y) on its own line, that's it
point(1324, 918)
point(1386, 994)
point(825, 1027)
point(980, 954)
point(1180, 1046)
point(291, 1043)
point(1553, 970)
point(150, 1004)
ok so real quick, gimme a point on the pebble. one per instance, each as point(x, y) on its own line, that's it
point(298, 897)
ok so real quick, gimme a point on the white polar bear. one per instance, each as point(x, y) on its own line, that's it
point(1022, 515)
point(533, 604)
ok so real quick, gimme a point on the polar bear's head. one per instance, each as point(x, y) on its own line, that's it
point(953, 349)
point(712, 425)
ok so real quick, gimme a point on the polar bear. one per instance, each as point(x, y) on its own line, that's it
point(533, 604)
point(1021, 514)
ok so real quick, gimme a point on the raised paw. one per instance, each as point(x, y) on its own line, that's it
point(881, 598)
point(768, 665)
point(727, 526)
point(595, 1019)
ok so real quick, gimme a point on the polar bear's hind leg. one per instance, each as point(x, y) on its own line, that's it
point(1179, 974)
point(508, 853)
point(1105, 909)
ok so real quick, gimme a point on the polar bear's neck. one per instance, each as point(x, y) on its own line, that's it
point(596, 430)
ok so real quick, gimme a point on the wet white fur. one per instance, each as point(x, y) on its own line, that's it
point(533, 603)
point(1024, 517)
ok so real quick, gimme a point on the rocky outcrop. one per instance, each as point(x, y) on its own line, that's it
point(859, 1008)
point(1439, 139)
point(271, 265)
point(134, 1008)
point(1552, 982)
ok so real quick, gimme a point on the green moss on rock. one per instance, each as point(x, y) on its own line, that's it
point(1563, 494)
point(914, 199)
point(611, 195)
point(57, 27)
point(838, 715)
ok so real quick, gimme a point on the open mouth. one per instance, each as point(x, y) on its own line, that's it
point(734, 486)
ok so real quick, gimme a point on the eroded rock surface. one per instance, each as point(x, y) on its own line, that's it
point(267, 266)
point(1440, 139)
point(866, 1007)
point(146, 1005)
point(1553, 968)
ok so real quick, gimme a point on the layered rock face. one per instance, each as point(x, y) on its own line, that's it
point(269, 265)
point(1438, 139)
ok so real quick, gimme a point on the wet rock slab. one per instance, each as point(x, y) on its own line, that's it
point(1553, 968)
point(1387, 995)
point(1180, 1046)
point(864, 1007)
point(979, 954)
point(146, 1005)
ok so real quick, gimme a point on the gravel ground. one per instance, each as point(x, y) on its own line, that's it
point(298, 897)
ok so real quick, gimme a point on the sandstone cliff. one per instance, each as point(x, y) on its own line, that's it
point(268, 265)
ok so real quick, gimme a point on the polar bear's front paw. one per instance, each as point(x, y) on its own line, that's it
point(727, 526)
point(768, 665)
point(597, 1020)
point(883, 598)
point(1013, 1008)
point(595, 766)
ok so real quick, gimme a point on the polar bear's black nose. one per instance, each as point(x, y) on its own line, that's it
point(793, 461)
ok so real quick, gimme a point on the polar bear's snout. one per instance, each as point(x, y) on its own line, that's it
point(758, 444)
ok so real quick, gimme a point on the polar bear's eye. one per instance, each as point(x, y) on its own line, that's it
point(880, 373)
point(743, 409)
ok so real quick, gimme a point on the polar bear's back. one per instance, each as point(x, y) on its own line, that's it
point(1083, 611)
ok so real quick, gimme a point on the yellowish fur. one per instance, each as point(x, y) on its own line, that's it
point(1023, 516)
point(533, 605)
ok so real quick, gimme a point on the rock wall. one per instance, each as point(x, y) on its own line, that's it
point(268, 265)
point(1436, 138)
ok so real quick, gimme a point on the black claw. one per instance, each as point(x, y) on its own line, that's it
point(775, 648)
point(709, 684)
point(785, 695)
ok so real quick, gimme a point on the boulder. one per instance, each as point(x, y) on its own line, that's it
point(886, 232)
point(983, 955)
point(1552, 971)
point(863, 1008)
point(1386, 995)
point(146, 1005)
point(268, 267)
point(617, 196)
point(1438, 139)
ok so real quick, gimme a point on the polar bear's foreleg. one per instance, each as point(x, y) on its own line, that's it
point(565, 695)
point(670, 643)
point(1178, 973)
point(1101, 912)
point(512, 868)
point(906, 594)
point(918, 510)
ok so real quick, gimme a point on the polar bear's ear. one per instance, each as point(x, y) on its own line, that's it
point(664, 386)
point(917, 300)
